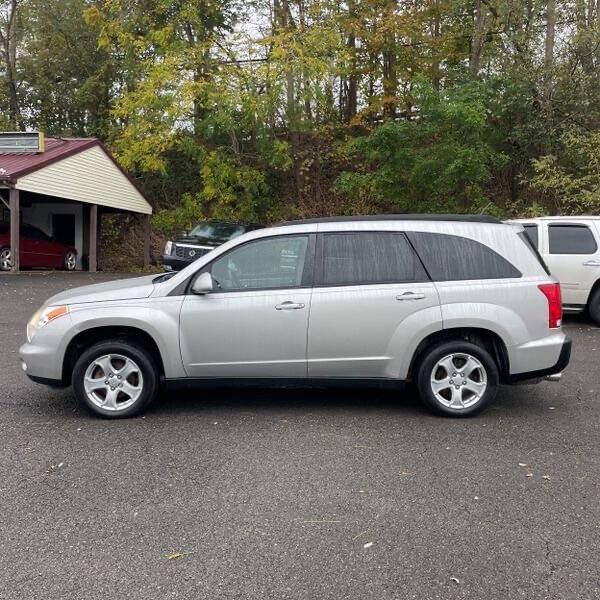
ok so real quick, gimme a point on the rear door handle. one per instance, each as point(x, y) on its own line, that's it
point(591, 263)
point(410, 296)
point(289, 305)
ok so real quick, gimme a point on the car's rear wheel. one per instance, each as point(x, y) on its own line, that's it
point(115, 379)
point(457, 379)
point(5, 259)
point(70, 260)
point(594, 306)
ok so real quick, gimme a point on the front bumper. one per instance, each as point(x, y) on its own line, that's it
point(563, 360)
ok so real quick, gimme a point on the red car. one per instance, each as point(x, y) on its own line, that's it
point(36, 250)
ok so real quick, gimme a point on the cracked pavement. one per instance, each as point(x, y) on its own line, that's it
point(297, 494)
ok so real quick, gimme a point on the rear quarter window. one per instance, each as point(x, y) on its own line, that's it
point(455, 258)
point(571, 239)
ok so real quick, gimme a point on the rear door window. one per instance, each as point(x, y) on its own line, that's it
point(571, 239)
point(455, 258)
point(356, 258)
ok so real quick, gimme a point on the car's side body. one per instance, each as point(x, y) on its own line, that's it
point(318, 330)
point(570, 246)
point(36, 249)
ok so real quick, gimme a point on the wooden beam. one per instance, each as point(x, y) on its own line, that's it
point(15, 222)
point(146, 240)
point(92, 239)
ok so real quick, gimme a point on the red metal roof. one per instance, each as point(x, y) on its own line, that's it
point(12, 166)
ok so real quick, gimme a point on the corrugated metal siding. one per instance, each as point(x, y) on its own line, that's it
point(89, 176)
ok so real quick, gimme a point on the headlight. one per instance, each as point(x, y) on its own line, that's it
point(168, 248)
point(43, 317)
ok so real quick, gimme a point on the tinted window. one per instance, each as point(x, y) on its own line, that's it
point(532, 233)
point(268, 263)
point(33, 233)
point(523, 235)
point(455, 258)
point(362, 258)
point(571, 239)
point(219, 232)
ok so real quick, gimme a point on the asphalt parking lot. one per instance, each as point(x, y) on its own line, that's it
point(296, 494)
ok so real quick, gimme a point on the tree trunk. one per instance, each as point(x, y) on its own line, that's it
point(435, 65)
point(352, 87)
point(8, 42)
point(478, 39)
point(282, 18)
point(549, 50)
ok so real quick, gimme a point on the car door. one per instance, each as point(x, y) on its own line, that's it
point(573, 257)
point(368, 288)
point(255, 322)
point(38, 250)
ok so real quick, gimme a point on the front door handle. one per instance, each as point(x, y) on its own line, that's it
point(591, 263)
point(410, 296)
point(289, 305)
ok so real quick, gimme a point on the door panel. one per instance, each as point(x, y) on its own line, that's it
point(368, 284)
point(245, 334)
point(240, 332)
point(360, 331)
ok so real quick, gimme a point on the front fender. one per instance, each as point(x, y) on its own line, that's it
point(158, 317)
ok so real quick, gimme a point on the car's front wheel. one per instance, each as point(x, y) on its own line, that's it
point(457, 379)
point(115, 379)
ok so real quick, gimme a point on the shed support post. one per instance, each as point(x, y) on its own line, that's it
point(92, 238)
point(146, 240)
point(15, 222)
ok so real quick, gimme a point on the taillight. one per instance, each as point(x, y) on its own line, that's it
point(552, 293)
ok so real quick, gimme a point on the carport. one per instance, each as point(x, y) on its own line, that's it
point(63, 186)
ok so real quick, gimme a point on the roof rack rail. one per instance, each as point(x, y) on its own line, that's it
point(398, 217)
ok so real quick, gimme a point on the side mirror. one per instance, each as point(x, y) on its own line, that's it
point(203, 284)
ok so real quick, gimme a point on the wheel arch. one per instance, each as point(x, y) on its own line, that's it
point(594, 289)
point(485, 338)
point(93, 335)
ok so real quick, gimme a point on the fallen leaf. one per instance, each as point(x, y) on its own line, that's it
point(529, 475)
point(179, 554)
point(545, 476)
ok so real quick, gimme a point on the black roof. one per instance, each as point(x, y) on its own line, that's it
point(399, 217)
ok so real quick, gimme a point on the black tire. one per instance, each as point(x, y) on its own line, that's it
point(68, 264)
point(425, 371)
point(594, 306)
point(140, 357)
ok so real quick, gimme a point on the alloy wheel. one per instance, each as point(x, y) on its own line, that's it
point(6, 259)
point(70, 261)
point(458, 381)
point(113, 382)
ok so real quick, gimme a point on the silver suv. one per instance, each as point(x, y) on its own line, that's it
point(457, 305)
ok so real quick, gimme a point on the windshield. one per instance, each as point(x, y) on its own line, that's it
point(218, 231)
